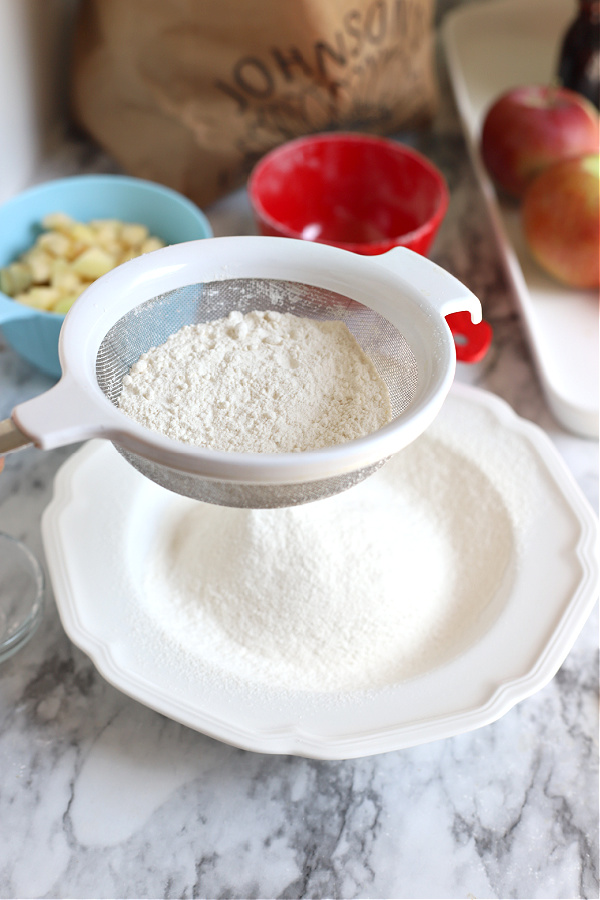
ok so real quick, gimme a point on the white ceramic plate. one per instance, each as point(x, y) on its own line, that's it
point(491, 47)
point(98, 533)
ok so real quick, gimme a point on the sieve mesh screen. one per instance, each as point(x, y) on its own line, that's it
point(152, 322)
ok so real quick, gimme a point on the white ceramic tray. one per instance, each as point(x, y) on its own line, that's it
point(490, 47)
point(98, 532)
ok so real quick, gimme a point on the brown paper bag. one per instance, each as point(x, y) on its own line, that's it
point(191, 93)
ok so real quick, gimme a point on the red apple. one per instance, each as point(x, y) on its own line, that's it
point(528, 128)
point(561, 220)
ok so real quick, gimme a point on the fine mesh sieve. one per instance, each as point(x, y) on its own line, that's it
point(150, 324)
point(394, 305)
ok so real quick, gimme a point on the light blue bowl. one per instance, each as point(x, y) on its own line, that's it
point(168, 215)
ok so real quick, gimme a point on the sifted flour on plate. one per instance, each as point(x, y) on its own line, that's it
point(355, 592)
point(261, 382)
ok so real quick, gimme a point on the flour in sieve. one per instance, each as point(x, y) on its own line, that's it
point(260, 382)
point(354, 592)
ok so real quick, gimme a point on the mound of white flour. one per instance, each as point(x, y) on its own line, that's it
point(358, 591)
point(261, 382)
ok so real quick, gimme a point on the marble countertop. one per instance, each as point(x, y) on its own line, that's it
point(102, 797)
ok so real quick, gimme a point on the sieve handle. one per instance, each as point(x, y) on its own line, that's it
point(440, 288)
point(66, 414)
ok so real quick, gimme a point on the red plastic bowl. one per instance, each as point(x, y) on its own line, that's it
point(358, 192)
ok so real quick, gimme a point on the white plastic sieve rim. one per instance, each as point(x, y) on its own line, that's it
point(376, 282)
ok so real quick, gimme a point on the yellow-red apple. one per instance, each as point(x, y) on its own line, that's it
point(561, 220)
point(528, 128)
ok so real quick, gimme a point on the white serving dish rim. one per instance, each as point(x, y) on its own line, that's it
point(300, 731)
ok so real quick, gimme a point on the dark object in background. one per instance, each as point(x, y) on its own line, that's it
point(579, 62)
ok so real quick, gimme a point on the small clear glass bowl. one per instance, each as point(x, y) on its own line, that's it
point(22, 589)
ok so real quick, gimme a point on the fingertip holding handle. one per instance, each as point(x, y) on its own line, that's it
point(472, 339)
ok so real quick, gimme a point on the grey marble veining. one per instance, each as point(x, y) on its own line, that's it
point(101, 797)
